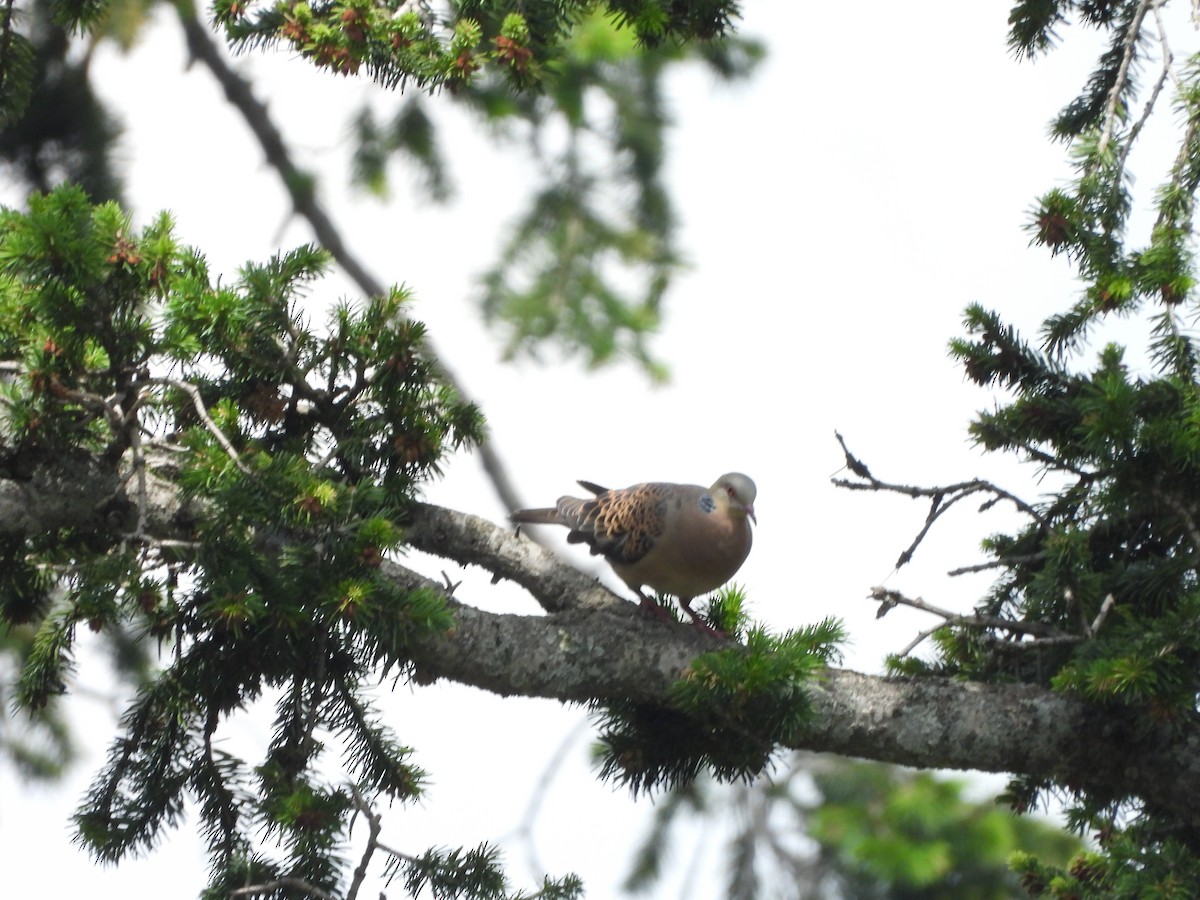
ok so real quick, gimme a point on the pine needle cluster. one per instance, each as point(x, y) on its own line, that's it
point(433, 46)
point(303, 449)
point(731, 711)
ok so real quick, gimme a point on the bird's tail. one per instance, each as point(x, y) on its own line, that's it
point(536, 517)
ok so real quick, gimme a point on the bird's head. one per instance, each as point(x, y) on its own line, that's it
point(738, 491)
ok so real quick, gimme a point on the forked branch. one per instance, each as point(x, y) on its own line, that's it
point(940, 498)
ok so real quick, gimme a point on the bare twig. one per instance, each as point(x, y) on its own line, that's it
point(1053, 462)
point(1039, 635)
point(198, 403)
point(1109, 602)
point(320, 464)
point(169, 544)
point(1122, 79)
point(288, 881)
point(1160, 82)
point(524, 829)
point(941, 498)
point(936, 508)
point(997, 563)
point(873, 483)
point(1069, 596)
point(895, 598)
point(374, 827)
point(1189, 523)
point(889, 598)
point(919, 639)
point(139, 468)
point(91, 401)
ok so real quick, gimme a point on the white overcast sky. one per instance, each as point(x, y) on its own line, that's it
point(838, 212)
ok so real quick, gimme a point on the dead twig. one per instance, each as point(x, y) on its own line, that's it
point(997, 563)
point(289, 881)
point(941, 498)
point(1038, 633)
point(198, 404)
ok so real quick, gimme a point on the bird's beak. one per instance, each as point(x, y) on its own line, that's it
point(750, 513)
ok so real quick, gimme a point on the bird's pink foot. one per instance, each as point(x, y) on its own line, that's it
point(651, 608)
point(699, 624)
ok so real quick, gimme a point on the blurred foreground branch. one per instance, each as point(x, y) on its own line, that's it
point(301, 188)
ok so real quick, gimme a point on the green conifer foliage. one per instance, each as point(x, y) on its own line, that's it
point(297, 450)
point(1098, 592)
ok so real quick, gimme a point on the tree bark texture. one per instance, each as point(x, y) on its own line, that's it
point(588, 644)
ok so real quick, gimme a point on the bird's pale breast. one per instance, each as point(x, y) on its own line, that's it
point(705, 550)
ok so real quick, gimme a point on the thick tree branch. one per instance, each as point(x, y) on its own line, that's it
point(924, 722)
point(59, 493)
point(597, 647)
point(470, 540)
point(1019, 729)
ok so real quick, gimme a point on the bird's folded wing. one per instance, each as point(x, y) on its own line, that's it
point(620, 525)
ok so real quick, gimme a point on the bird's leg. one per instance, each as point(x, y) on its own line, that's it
point(699, 623)
point(650, 606)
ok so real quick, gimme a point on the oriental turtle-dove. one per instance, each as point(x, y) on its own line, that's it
point(679, 539)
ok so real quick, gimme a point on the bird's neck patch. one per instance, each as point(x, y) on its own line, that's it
point(707, 503)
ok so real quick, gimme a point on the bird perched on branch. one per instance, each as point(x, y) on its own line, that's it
point(678, 539)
